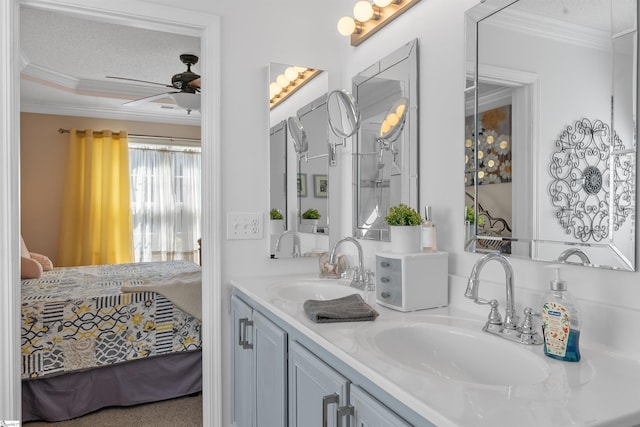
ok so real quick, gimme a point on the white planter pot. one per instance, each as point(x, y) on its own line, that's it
point(277, 226)
point(405, 239)
point(308, 225)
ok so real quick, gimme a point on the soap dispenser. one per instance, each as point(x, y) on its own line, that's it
point(560, 321)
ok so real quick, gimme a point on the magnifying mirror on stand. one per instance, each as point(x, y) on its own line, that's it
point(390, 130)
point(299, 136)
point(344, 119)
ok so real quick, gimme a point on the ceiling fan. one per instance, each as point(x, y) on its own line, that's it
point(187, 84)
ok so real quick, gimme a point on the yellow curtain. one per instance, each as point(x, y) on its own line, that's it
point(96, 214)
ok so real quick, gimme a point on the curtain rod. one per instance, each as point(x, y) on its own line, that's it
point(168, 138)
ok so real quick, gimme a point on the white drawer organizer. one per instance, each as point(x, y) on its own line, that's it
point(412, 281)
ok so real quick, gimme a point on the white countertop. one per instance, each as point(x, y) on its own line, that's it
point(603, 389)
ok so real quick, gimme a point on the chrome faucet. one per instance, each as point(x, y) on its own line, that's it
point(361, 278)
point(508, 328)
point(577, 252)
point(296, 251)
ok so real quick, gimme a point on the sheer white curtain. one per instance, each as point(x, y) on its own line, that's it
point(165, 203)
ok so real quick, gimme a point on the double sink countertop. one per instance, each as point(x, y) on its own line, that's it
point(441, 366)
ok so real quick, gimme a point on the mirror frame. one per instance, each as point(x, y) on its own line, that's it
point(527, 247)
point(410, 160)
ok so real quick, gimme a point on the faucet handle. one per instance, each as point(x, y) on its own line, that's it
point(494, 315)
point(526, 331)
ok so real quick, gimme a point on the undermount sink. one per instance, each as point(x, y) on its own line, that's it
point(456, 354)
point(302, 290)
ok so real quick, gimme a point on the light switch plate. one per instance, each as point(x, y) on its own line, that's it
point(244, 225)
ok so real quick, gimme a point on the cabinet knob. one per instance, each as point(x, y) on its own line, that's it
point(385, 279)
point(385, 294)
point(385, 264)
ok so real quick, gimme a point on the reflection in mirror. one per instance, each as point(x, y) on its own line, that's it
point(313, 168)
point(278, 179)
point(289, 107)
point(386, 148)
point(550, 146)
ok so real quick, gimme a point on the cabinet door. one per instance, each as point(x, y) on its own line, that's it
point(270, 349)
point(243, 374)
point(368, 412)
point(315, 390)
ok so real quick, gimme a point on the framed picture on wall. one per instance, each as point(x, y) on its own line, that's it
point(320, 185)
point(302, 185)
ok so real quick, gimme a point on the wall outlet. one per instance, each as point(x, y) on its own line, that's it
point(244, 225)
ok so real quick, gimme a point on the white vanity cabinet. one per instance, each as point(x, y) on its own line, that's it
point(259, 373)
point(320, 396)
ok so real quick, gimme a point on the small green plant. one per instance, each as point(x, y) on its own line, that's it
point(275, 214)
point(311, 214)
point(403, 215)
point(470, 216)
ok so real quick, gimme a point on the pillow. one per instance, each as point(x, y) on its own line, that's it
point(24, 252)
point(44, 260)
point(30, 268)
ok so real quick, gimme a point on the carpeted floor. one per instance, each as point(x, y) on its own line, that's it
point(181, 412)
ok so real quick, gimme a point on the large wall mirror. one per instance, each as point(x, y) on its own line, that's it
point(298, 160)
point(386, 145)
point(550, 146)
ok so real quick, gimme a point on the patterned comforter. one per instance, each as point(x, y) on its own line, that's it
point(76, 318)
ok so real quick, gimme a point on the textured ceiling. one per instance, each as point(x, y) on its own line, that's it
point(81, 53)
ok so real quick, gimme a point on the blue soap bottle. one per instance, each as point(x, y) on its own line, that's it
point(560, 321)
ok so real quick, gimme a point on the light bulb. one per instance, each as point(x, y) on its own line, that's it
point(274, 90)
point(346, 26)
point(363, 11)
point(400, 110)
point(382, 3)
point(301, 70)
point(393, 119)
point(384, 127)
point(282, 80)
point(291, 73)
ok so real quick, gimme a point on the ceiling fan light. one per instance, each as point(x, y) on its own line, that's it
point(187, 101)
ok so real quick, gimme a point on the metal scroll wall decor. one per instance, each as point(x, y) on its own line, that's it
point(592, 190)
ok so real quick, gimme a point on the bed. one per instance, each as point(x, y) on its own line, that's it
point(93, 337)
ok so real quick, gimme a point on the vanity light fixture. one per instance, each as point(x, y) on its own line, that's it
point(287, 83)
point(369, 18)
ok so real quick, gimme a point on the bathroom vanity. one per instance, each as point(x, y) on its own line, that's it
point(425, 368)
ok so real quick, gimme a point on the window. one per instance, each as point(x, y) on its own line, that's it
point(165, 201)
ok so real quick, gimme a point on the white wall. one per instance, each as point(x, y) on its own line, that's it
point(257, 32)
point(304, 32)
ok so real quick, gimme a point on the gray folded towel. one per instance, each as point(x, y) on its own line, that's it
point(351, 308)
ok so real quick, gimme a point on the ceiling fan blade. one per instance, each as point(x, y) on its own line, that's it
point(147, 99)
point(195, 83)
point(139, 81)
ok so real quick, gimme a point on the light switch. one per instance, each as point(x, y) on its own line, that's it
point(244, 225)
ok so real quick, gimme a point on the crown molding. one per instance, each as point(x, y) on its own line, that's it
point(544, 27)
point(192, 119)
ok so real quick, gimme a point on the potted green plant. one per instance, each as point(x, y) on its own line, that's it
point(276, 221)
point(404, 228)
point(309, 220)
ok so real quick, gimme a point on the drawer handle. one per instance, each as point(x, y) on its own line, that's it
point(326, 401)
point(345, 411)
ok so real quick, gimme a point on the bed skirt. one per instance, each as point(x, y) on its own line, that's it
point(146, 380)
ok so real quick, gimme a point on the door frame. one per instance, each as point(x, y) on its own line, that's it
point(139, 14)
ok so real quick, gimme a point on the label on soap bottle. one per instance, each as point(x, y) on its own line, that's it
point(556, 326)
